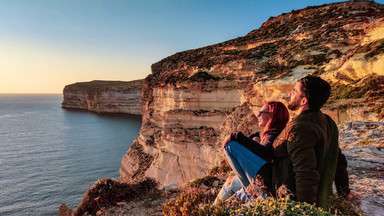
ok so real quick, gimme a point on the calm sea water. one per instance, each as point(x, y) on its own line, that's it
point(50, 156)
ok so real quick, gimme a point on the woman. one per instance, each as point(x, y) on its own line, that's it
point(252, 156)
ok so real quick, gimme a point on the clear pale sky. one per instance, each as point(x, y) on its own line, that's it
point(47, 44)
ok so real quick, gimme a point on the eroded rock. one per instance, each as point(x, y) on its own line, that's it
point(194, 98)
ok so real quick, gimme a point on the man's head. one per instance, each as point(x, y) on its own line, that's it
point(310, 92)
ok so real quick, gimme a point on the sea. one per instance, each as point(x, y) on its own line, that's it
point(50, 155)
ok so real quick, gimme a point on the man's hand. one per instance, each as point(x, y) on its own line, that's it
point(353, 195)
point(257, 139)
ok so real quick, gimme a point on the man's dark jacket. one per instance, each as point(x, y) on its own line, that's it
point(307, 158)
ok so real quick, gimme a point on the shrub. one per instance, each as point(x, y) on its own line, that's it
point(108, 192)
point(379, 109)
point(359, 88)
point(194, 201)
point(364, 142)
point(269, 206)
point(372, 49)
point(339, 205)
point(187, 203)
point(206, 180)
point(223, 168)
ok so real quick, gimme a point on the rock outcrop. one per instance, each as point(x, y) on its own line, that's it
point(194, 98)
point(104, 96)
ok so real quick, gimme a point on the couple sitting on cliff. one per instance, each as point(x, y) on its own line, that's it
point(303, 155)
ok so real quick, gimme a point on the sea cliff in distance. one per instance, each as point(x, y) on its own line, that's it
point(104, 96)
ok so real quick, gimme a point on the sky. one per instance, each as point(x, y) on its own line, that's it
point(48, 44)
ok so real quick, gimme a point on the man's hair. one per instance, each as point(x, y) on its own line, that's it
point(316, 90)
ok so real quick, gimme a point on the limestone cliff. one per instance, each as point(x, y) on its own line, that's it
point(104, 96)
point(194, 98)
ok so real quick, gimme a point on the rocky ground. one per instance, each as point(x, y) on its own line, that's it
point(363, 145)
point(361, 142)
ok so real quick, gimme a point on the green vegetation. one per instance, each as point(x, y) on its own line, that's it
point(108, 192)
point(347, 92)
point(92, 87)
point(379, 109)
point(364, 142)
point(269, 206)
point(370, 89)
point(358, 89)
point(202, 76)
point(187, 203)
point(194, 200)
point(223, 168)
point(176, 77)
point(343, 206)
point(372, 49)
point(206, 180)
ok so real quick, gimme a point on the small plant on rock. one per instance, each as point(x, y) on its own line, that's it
point(364, 142)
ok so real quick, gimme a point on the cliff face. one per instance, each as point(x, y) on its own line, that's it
point(104, 96)
point(193, 99)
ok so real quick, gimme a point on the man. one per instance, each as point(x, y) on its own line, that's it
point(306, 153)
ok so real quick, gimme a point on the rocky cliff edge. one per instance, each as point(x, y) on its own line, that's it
point(194, 98)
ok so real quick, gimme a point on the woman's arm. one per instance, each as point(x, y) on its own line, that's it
point(263, 150)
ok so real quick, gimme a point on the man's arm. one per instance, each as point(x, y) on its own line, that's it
point(301, 150)
point(341, 176)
